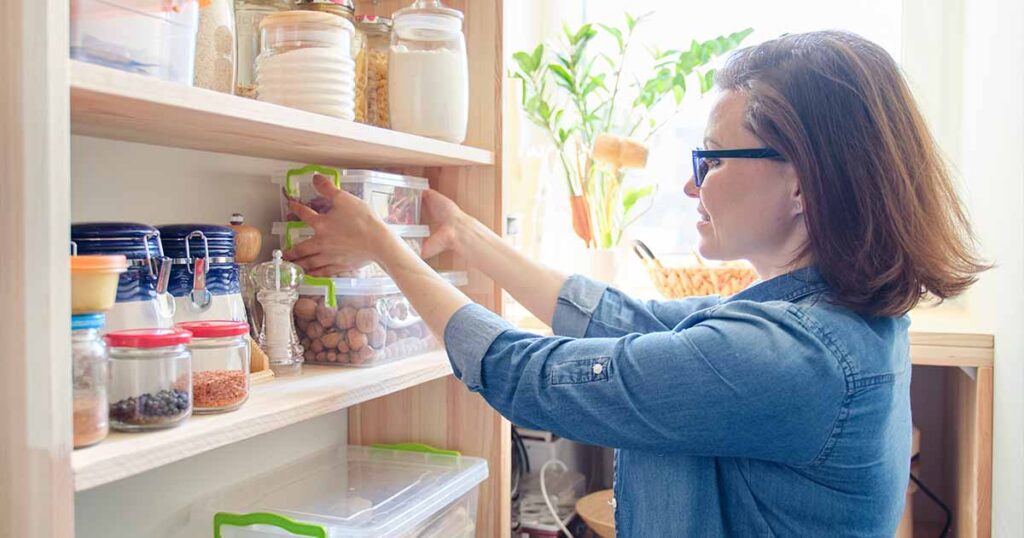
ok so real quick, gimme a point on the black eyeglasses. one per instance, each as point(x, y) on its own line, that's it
point(702, 156)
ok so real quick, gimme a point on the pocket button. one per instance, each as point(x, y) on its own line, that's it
point(598, 368)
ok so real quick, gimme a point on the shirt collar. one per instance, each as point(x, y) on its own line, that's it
point(791, 286)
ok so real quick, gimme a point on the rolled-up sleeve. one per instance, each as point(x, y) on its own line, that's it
point(747, 380)
point(587, 308)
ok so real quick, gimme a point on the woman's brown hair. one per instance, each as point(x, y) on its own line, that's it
point(885, 223)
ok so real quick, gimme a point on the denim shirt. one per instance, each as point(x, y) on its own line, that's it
point(770, 413)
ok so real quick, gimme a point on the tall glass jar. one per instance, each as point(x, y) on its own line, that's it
point(428, 72)
point(150, 378)
point(248, 14)
point(347, 10)
point(378, 40)
point(304, 63)
point(220, 365)
point(89, 377)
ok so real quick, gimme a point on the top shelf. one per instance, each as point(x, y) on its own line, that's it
point(108, 103)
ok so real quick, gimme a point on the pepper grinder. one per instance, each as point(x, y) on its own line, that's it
point(277, 288)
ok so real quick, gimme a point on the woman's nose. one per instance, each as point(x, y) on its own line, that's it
point(691, 189)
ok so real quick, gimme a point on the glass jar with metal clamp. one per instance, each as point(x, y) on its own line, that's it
point(204, 278)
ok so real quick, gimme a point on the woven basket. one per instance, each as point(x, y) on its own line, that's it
point(692, 281)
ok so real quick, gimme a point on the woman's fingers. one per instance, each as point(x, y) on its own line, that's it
point(329, 271)
point(323, 185)
point(304, 212)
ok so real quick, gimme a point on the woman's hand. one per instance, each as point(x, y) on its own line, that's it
point(345, 238)
point(445, 219)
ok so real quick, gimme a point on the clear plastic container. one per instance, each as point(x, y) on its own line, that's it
point(293, 233)
point(360, 322)
point(153, 37)
point(428, 72)
point(394, 197)
point(352, 492)
point(378, 40)
point(297, 184)
point(220, 365)
point(150, 378)
point(248, 15)
point(305, 62)
point(89, 365)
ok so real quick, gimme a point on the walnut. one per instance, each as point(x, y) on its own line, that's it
point(367, 319)
point(356, 339)
point(346, 318)
point(305, 309)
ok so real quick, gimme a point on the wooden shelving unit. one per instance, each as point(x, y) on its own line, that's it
point(284, 401)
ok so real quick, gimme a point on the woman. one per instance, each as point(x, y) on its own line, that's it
point(783, 410)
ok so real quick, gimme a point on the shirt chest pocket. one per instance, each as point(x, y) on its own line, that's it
point(576, 371)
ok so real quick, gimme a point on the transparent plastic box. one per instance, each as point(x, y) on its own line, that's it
point(293, 233)
point(360, 321)
point(352, 492)
point(394, 197)
point(152, 37)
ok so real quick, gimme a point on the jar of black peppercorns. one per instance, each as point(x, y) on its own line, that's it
point(150, 378)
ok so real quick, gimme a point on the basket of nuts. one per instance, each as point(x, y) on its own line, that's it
point(359, 322)
point(690, 281)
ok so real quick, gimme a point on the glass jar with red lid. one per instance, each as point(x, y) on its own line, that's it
point(220, 364)
point(150, 378)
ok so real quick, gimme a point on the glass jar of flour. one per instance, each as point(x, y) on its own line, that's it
point(428, 72)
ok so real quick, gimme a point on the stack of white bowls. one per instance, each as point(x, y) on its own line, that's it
point(307, 63)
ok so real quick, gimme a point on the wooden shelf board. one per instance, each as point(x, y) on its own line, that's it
point(285, 400)
point(108, 103)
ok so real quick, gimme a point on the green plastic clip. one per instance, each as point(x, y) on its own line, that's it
point(221, 519)
point(418, 447)
point(292, 189)
point(291, 228)
point(330, 299)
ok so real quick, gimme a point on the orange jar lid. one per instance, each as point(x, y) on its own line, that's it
point(116, 264)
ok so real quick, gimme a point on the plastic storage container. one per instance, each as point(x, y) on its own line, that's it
point(94, 282)
point(297, 184)
point(89, 367)
point(352, 492)
point(360, 322)
point(428, 72)
point(305, 62)
point(204, 276)
point(142, 298)
point(248, 15)
point(378, 40)
point(394, 197)
point(150, 378)
point(346, 9)
point(220, 365)
point(293, 233)
point(153, 37)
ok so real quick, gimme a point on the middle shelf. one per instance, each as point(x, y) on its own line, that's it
point(317, 391)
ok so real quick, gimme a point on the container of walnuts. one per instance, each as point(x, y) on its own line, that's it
point(360, 321)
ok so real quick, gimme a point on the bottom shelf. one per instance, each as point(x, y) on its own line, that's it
point(286, 400)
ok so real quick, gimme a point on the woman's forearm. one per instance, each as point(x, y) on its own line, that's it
point(534, 285)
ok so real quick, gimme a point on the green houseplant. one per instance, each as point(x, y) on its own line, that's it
point(574, 93)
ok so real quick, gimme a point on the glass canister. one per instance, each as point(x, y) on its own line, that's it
point(215, 46)
point(150, 378)
point(248, 14)
point(89, 377)
point(277, 283)
point(220, 365)
point(204, 276)
point(428, 72)
point(305, 63)
point(347, 10)
point(378, 40)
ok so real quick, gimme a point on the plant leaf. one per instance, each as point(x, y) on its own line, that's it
point(634, 195)
point(565, 78)
point(525, 62)
point(707, 81)
point(630, 22)
point(538, 55)
point(616, 33)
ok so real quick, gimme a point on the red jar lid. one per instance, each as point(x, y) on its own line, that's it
point(148, 338)
point(215, 329)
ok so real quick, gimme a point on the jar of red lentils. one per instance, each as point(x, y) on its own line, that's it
point(220, 365)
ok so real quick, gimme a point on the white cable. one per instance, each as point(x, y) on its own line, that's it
point(547, 500)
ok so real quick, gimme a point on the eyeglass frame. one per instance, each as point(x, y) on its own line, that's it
point(747, 153)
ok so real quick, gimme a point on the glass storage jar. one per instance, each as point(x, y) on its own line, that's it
point(89, 377)
point(220, 365)
point(347, 10)
point(304, 63)
point(248, 14)
point(378, 40)
point(215, 46)
point(428, 72)
point(150, 378)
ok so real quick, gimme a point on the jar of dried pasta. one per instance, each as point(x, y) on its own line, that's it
point(378, 39)
point(347, 10)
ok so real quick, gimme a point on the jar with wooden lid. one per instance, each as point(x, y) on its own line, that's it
point(305, 64)
point(248, 15)
point(378, 40)
point(346, 9)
